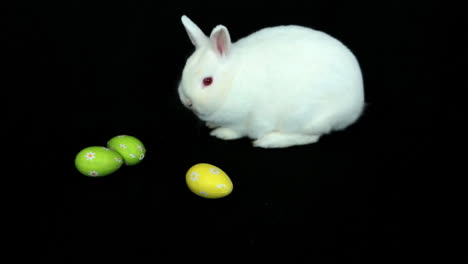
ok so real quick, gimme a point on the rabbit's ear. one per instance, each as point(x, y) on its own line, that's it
point(195, 34)
point(221, 40)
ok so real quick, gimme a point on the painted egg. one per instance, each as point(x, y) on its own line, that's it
point(129, 147)
point(98, 161)
point(208, 181)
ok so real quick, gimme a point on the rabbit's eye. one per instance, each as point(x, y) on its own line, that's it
point(207, 81)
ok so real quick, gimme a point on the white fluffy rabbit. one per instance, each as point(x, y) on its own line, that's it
point(280, 86)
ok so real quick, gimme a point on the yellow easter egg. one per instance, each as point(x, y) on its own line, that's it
point(208, 181)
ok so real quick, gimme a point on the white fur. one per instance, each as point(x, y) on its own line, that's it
point(280, 86)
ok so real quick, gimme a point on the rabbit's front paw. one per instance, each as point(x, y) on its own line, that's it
point(225, 133)
point(280, 140)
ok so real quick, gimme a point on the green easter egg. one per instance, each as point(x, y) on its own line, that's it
point(129, 147)
point(98, 161)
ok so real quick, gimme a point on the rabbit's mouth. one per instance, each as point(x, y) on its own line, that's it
point(198, 113)
point(189, 105)
point(186, 102)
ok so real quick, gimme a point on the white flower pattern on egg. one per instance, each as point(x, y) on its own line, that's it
point(93, 173)
point(123, 146)
point(221, 186)
point(194, 176)
point(132, 155)
point(203, 193)
point(119, 160)
point(121, 136)
point(142, 156)
point(140, 148)
point(105, 148)
point(214, 171)
point(90, 155)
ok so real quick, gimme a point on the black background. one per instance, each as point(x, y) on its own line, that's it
point(83, 73)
